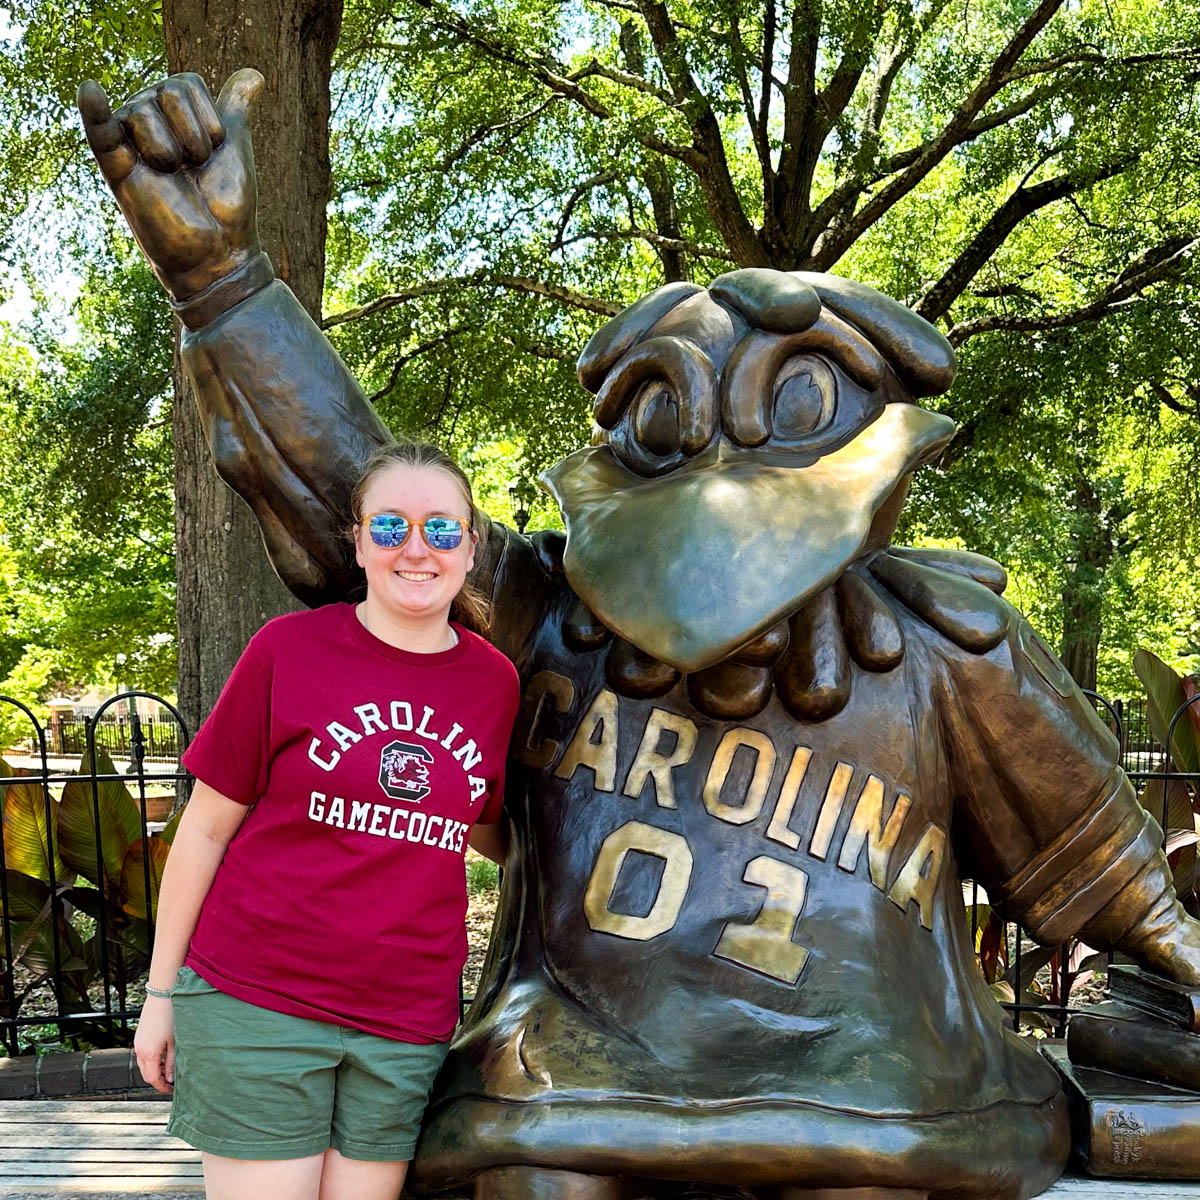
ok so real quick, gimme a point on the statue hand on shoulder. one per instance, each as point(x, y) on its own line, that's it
point(182, 170)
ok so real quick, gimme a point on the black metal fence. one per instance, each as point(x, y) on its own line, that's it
point(157, 738)
point(81, 858)
point(1047, 983)
point(82, 853)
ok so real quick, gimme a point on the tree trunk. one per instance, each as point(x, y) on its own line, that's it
point(1083, 589)
point(226, 588)
point(1081, 630)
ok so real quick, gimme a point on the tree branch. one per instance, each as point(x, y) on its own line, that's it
point(625, 78)
point(765, 83)
point(481, 279)
point(758, 131)
point(1166, 397)
point(799, 112)
point(838, 239)
point(1009, 112)
point(844, 81)
point(415, 352)
point(833, 207)
point(655, 174)
point(1024, 200)
point(555, 77)
point(709, 160)
point(1156, 264)
point(485, 131)
point(577, 194)
point(1095, 57)
point(657, 240)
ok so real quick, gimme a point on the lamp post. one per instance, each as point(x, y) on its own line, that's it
point(522, 494)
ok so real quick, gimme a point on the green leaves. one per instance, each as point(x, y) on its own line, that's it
point(121, 905)
point(1173, 802)
point(118, 826)
point(145, 856)
point(1165, 695)
point(29, 843)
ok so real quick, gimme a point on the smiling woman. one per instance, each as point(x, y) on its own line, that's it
point(416, 582)
point(297, 795)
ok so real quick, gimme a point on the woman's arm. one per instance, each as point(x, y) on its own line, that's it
point(205, 829)
point(490, 840)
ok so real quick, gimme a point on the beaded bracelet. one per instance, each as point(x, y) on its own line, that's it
point(161, 993)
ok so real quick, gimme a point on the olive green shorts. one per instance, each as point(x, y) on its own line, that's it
point(252, 1083)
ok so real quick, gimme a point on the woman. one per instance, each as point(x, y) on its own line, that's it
point(311, 922)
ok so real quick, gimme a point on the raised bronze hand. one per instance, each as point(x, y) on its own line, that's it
point(182, 171)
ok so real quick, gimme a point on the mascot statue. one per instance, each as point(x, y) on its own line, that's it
point(759, 748)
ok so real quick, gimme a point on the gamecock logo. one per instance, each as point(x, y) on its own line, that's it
point(404, 771)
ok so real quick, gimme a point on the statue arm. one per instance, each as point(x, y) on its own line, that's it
point(1047, 820)
point(288, 428)
point(287, 425)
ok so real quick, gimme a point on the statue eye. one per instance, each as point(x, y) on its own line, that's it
point(656, 418)
point(805, 398)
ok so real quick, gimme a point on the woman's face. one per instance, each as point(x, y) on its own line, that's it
point(413, 582)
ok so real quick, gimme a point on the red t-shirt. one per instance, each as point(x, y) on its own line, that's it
point(342, 896)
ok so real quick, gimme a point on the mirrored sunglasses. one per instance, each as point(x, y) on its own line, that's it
point(390, 531)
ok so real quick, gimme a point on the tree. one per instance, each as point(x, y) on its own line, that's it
point(87, 580)
point(226, 587)
point(505, 176)
point(1015, 171)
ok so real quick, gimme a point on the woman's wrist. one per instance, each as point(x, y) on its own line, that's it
point(161, 983)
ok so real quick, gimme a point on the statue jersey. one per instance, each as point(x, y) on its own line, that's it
point(721, 936)
point(366, 766)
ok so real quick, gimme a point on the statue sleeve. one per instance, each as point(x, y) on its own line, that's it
point(516, 572)
point(1045, 817)
point(288, 427)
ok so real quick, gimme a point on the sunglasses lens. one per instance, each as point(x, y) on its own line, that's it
point(443, 533)
point(388, 530)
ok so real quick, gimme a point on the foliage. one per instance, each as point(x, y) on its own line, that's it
point(1172, 710)
point(1039, 976)
point(483, 875)
point(86, 522)
point(79, 877)
point(509, 173)
point(1014, 171)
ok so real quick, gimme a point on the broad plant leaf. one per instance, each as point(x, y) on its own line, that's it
point(1032, 961)
point(28, 907)
point(172, 826)
point(1191, 687)
point(133, 876)
point(86, 899)
point(29, 842)
point(27, 897)
point(119, 825)
point(1164, 695)
point(991, 947)
point(30, 910)
point(26, 912)
point(1180, 824)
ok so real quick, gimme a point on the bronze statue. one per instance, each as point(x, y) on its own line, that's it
point(760, 745)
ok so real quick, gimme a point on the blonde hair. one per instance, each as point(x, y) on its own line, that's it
point(470, 607)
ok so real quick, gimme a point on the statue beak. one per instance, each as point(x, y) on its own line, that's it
point(690, 566)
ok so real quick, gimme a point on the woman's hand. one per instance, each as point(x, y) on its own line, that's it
point(154, 1044)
